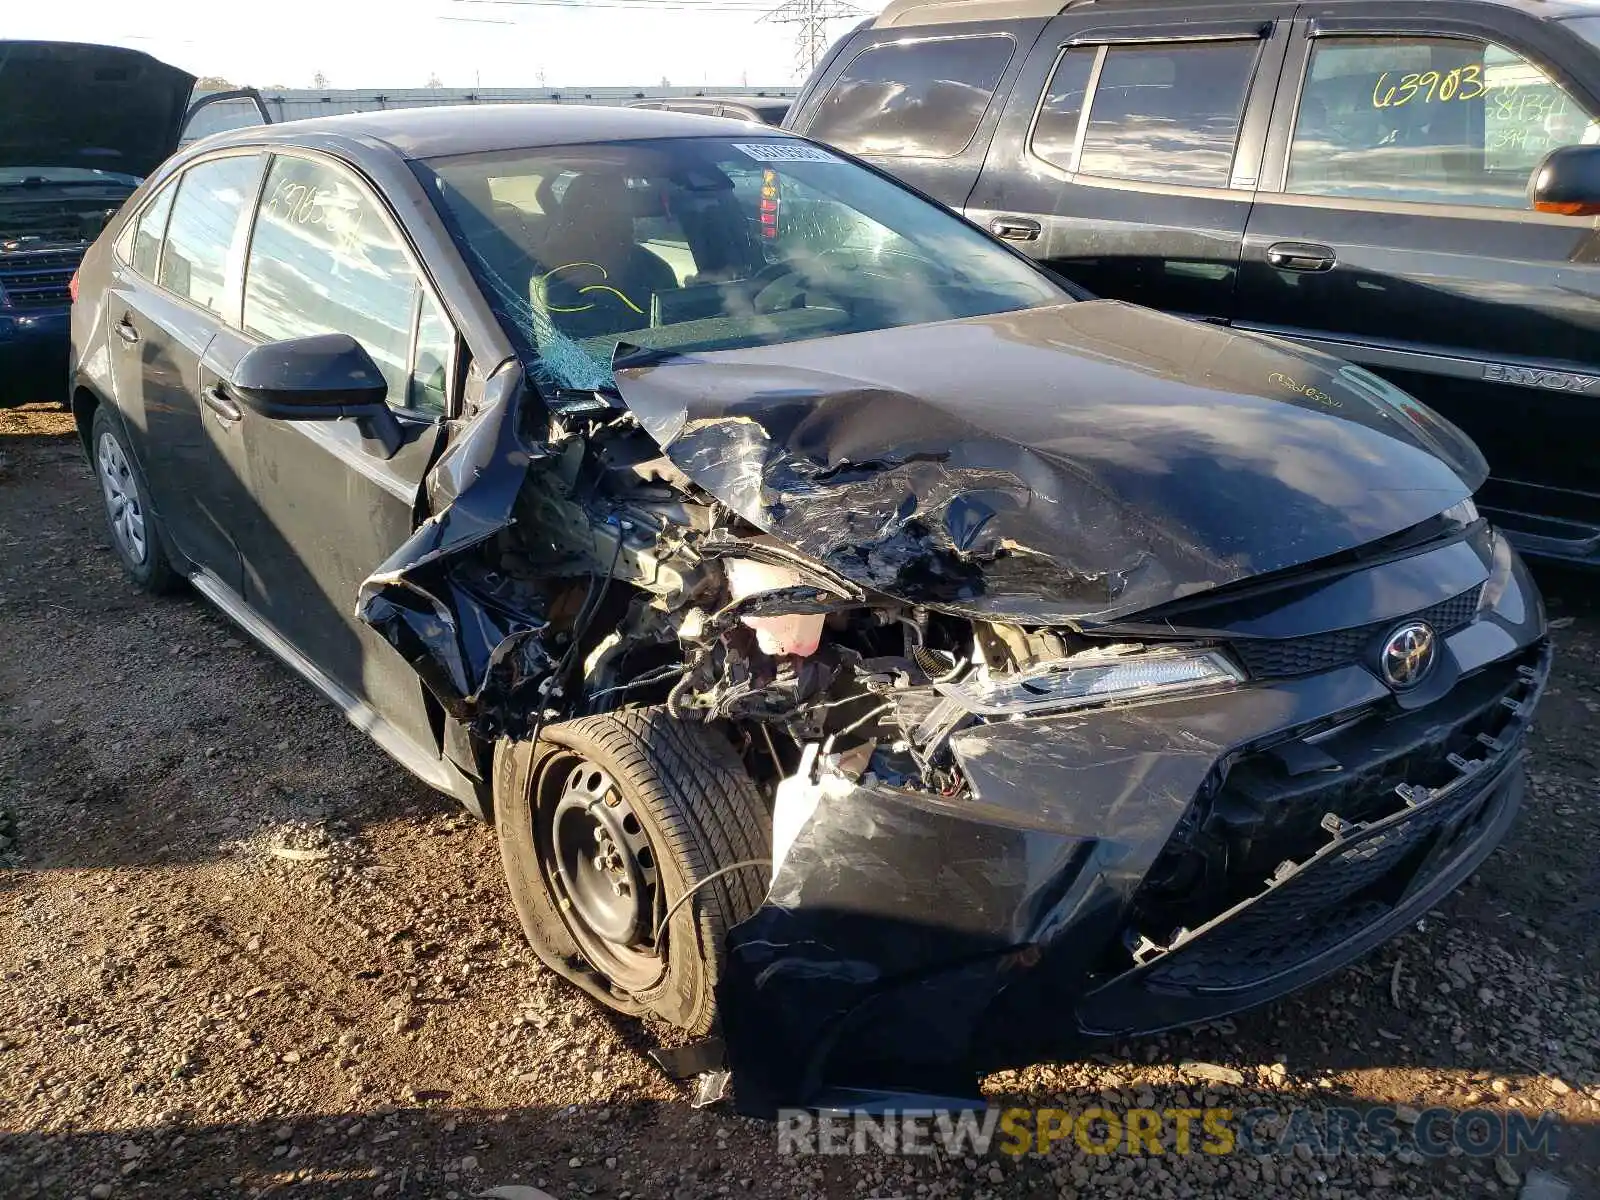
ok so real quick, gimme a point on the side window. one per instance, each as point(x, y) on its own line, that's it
point(1166, 113)
point(205, 218)
point(324, 259)
point(430, 374)
point(1429, 119)
point(913, 99)
point(144, 255)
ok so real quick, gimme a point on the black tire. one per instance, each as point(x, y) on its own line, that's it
point(118, 480)
point(700, 812)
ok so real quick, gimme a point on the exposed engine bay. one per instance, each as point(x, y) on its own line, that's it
point(704, 613)
point(36, 215)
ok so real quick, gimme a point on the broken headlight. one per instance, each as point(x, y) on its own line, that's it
point(1094, 677)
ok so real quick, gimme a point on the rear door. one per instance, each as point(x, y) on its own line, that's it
point(325, 256)
point(1128, 153)
point(166, 304)
point(920, 103)
point(1393, 228)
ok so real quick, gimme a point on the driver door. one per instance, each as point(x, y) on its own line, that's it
point(326, 257)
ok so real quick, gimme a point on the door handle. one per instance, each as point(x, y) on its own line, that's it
point(126, 331)
point(1301, 256)
point(222, 404)
point(1016, 229)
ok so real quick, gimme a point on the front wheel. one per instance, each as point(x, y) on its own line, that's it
point(606, 824)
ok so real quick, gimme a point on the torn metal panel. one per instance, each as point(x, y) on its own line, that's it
point(447, 621)
point(1072, 463)
point(896, 918)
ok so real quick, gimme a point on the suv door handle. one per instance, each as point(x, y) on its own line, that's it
point(126, 331)
point(222, 404)
point(1301, 256)
point(1016, 229)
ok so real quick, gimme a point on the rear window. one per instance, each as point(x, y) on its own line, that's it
point(913, 99)
point(204, 222)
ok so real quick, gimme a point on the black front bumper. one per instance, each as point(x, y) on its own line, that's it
point(1359, 890)
point(33, 356)
point(910, 943)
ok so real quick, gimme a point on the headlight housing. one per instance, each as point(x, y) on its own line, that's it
point(1095, 677)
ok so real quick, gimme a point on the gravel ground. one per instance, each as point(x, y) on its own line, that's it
point(244, 954)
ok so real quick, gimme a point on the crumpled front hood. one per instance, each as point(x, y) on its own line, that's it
point(70, 104)
point(1080, 462)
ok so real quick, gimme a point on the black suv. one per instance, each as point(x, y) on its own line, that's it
point(1356, 176)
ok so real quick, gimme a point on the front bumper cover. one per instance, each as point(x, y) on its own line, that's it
point(33, 356)
point(909, 943)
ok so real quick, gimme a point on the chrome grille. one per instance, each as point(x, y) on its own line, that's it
point(38, 279)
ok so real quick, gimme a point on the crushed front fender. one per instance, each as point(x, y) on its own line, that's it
point(467, 645)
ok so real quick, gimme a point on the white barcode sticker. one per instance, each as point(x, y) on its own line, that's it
point(784, 152)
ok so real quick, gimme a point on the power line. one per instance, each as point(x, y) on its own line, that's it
point(812, 16)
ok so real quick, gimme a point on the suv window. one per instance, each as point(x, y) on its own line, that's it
point(325, 259)
point(1430, 119)
point(913, 99)
point(205, 218)
point(1164, 113)
point(144, 256)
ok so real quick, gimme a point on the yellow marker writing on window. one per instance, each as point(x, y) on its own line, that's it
point(1426, 87)
point(586, 288)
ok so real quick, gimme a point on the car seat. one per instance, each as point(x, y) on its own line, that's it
point(595, 278)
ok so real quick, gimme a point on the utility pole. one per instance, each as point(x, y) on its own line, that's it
point(812, 16)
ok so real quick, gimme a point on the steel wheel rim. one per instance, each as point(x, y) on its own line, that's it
point(601, 870)
point(121, 494)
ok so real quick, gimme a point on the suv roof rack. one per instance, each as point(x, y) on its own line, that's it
point(943, 12)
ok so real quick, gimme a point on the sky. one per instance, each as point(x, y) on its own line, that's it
point(464, 43)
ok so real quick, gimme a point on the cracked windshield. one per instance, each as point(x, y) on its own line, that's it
point(710, 244)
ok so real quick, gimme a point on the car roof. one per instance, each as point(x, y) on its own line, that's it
point(943, 12)
point(443, 130)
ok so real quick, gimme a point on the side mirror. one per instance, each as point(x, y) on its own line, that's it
point(1567, 182)
point(321, 378)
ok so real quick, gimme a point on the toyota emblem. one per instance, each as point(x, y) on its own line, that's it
point(1408, 655)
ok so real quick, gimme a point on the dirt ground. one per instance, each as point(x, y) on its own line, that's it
point(242, 953)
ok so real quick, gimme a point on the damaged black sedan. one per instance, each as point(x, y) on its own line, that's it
point(876, 657)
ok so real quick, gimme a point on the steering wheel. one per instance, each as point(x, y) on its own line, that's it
point(765, 281)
